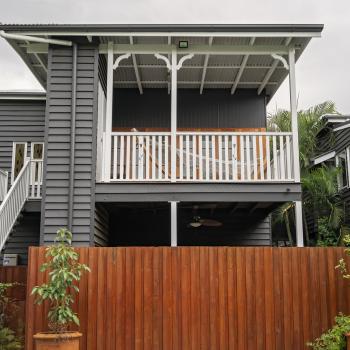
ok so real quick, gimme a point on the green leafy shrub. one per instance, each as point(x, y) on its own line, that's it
point(334, 338)
point(64, 272)
point(8, 339)
point(328, 236)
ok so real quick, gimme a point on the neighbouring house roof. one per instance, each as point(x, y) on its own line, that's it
point(261, 72)
point(342, 126)
point(333, 120)
point(22, 95)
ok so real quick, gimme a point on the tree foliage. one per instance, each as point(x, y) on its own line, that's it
point(309, 125)
point(64, 272)
point(8, 339)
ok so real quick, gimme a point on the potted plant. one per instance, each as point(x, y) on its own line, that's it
point(64, 272)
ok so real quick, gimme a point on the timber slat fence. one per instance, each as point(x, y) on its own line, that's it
point(201, 298)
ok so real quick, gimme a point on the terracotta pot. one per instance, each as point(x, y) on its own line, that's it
point(53, 341)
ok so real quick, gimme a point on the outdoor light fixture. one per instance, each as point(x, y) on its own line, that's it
point(183, 44)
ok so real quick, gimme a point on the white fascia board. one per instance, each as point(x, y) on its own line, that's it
point(29, 98)
point(342, 127)
point(179, 34)
point(324, 157)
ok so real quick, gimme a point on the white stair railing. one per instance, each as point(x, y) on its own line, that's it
point(3, 184)
point(13, 203)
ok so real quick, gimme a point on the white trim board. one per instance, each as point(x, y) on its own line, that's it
point(342, 127)
point(324, 157)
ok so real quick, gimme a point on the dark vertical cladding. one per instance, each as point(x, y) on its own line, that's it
point(55, 203)
point(20, 121)
point(214, 109)
point(101, 237)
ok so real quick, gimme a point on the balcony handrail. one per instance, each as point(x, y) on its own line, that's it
point(3, 184)
point(141, 133)
point(13, 203)
point(214, 133)
point(202, 156)
point(234, 133)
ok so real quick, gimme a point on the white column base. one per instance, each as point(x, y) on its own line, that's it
point(173, 210)
point(299, 224)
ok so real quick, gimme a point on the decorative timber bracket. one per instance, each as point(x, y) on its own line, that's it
point(282, 59)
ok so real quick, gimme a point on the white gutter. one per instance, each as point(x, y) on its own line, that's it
point(35, 39)
point(187, 34)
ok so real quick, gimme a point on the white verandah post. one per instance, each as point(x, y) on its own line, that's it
point(173, 113)
point(108, 125)
point(173, 217)
point(295, 140)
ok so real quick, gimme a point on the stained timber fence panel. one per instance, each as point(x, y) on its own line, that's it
point(201, 297)
point(16, 274)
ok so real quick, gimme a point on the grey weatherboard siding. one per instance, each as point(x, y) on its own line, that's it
point(342, 140)
point(55, 203)
point(20, 121)
point(25, 234)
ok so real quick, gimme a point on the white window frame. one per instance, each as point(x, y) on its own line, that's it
point(32, 150)
point(14, 144)
point(347, 168)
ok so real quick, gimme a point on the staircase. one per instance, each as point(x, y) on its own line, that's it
point(26, 186)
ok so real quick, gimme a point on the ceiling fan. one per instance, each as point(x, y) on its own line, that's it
point(197, 221)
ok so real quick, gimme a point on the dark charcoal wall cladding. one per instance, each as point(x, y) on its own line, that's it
point(215, 108)
point(58, 132)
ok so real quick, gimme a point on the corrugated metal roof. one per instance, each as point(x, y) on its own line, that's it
point(221, 70)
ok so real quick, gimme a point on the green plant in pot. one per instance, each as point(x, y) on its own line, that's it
point(64, 273)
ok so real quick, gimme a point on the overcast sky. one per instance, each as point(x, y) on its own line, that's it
point(323, 72)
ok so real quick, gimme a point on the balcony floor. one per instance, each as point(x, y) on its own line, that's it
point(202, 192)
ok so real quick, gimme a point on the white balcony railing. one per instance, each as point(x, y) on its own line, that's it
point(26, 186)
point(202, 157)
point(36, 179)
point(3, 184)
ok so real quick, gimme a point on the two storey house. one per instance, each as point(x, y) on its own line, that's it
point(149, 135)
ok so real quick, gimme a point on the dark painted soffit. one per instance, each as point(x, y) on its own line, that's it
point(229, 28)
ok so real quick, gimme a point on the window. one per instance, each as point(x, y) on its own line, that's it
point(37, 156)
point(37, 151)
point(342, 160)
point(19, 154)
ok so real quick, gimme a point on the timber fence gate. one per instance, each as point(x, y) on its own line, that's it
point(201, 297)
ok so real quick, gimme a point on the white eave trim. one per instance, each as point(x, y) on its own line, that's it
point(35, 39)
point(324, 157)
point(342, 127)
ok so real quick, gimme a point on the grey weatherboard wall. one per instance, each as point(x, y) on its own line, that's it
point(20, 121)
point(342, 140)
point(24, 234)
point(57, 163)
